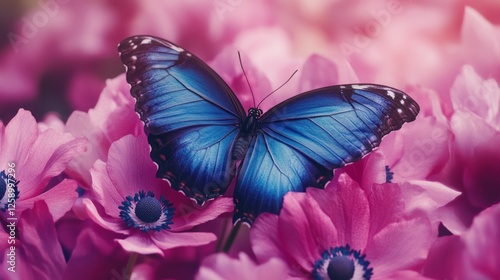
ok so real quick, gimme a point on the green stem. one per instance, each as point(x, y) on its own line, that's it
point(232, 236)
point(130, 266)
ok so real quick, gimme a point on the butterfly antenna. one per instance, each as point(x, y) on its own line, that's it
point(246, 78)
point(278, 88)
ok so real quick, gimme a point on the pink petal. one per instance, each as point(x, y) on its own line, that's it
point(59, 199)
point(299, 224)
point(265, 239)
point(39, 244)
point(374, 171)
point(110, 223)
point(129, 166)
point(140, 243)
point(189, 214)
point(221, 266)
point(318, 72)
point(443, 261)
point(386, 206)
point(167, 240)
point(482, 243)
point(51, 153)
point(457, 215)
point(399, 246)
point(21, 132)
point(426, 197)
point(347, 208)
point(106, 193)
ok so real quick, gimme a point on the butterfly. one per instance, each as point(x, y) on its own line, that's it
point(199, 131)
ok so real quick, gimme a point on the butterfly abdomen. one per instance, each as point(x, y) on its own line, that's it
point(240, 147)
point(247, 129)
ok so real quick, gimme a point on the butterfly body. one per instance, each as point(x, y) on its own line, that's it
point(198, 130)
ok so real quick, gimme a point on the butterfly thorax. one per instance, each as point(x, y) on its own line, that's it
point(247, 129)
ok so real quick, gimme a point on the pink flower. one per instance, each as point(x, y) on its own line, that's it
point(221, 266)
point(36, 244)
point(112, 118)
point(473, 167)
point(363, 232)
point(147, 213)
point(473, 255)
point(30, 157)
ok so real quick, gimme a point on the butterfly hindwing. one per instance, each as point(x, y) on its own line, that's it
point(191, 116)
point(304, 138)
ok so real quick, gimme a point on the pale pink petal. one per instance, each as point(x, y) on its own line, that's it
point(221, 266)
point(110, 223)
point(482, 243)
point(189, 214)
point(374, 171)
point(130, 168)
point(469, 131)
point(49, 155)
point(21, 132)
point(60, 199)
point(481, 97)
point(399, 246)
point(140, 243)
point(165, 239)
point(426, 197)
point(318, 72)
point(105, 191)
point(265, 239)
point(425, 149)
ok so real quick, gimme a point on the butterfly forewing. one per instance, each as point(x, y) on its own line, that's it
point(190, 114)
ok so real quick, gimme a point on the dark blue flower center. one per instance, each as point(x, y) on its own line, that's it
point(341, 263)
point(146, 212)
point(9, 191)
point(389, 175)
point(148, 209)
point(340, 268)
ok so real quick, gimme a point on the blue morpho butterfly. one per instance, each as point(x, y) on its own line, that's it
point(198, 130)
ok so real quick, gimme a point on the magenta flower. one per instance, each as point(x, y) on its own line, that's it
point(30, 157)
point(147, 213)
point(112, 118)
point(473, 255)
point(221, 266)
point(345, 231)
point(36, 244)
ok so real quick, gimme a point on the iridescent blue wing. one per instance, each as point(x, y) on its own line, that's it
point(190, 115)
point(300, 141)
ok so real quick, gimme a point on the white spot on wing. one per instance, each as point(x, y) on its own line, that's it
point(360, 86)
point(400, 111)
point(391, 94)
point(402, 102)
point(146, 41)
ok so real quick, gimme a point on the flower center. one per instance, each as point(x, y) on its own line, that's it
point(340, 268)
point(9, 191)
point(389, 175)
point(145, 212)
point(148, 209)
point(342, 263)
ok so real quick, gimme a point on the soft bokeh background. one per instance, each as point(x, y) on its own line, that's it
point(56, 55)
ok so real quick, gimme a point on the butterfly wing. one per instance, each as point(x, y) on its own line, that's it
point(191, 116)
point(300, 141)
